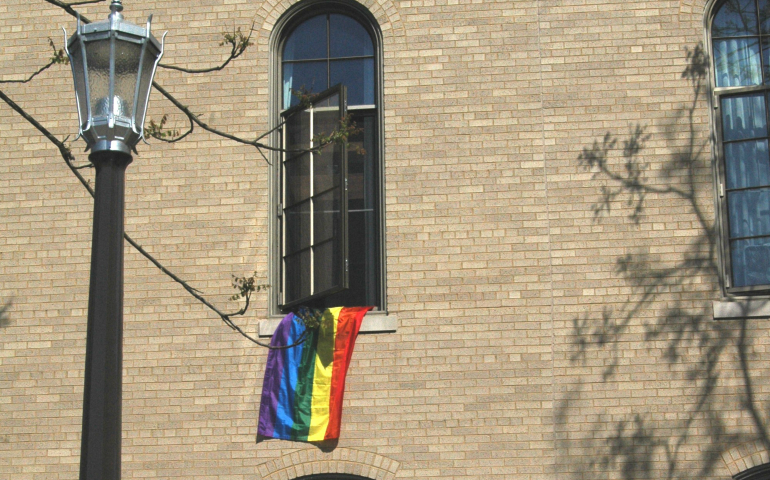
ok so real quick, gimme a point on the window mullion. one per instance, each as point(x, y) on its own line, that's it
point(312, 203)
point(283, 218)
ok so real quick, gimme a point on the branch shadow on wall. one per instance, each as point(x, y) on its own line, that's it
point(5, 318)
point(684, 432)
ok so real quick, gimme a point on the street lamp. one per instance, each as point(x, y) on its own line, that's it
point(113, 64)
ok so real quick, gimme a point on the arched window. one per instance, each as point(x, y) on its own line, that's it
point(740, 52)
point(760, 472)
point(332, 476)
point(329, 214)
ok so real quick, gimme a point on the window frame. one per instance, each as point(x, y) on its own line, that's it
point(759, 472)
point(719, 159)
point(281, 31)
point(331, 476)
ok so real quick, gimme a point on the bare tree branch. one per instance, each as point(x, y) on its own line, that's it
point(58, 57)
point(238, 43)
point(68, 157)
point(68, 8)
point(84, 2)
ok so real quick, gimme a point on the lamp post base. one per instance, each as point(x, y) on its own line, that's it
point(101, 437)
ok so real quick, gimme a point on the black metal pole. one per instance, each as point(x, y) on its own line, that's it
point(101, 437)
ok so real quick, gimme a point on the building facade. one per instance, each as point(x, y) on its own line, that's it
point(559, 208)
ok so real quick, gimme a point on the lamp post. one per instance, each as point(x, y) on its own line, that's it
point(113, 64)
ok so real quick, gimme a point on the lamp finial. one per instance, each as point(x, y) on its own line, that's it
point(116, 7)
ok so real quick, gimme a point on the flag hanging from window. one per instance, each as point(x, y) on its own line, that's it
point(304, 385)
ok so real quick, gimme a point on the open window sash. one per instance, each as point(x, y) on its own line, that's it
point(314, 205)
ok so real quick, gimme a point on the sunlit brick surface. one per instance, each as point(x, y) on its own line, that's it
point(554, 314)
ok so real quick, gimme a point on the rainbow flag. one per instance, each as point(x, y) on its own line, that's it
point(303, 386)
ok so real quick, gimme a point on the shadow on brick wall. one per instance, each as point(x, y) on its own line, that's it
point(675, 388)
point(5, 318)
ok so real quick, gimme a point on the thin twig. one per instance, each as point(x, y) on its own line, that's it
point(84, 2)
point(28, 79)
point(68, 8)
point(238, 44)
point(195, 118)
point(57, 57)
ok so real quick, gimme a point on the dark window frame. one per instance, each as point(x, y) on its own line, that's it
point(371, 113)
point(720, 94)
point(332, 476)
point(759, 472)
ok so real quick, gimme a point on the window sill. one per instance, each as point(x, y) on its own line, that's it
point(374, 322)
point(742, 307)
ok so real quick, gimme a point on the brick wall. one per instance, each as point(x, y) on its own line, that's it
point(543, 332)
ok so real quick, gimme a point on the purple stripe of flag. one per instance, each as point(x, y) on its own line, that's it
point(272, 382)
point(283, 424)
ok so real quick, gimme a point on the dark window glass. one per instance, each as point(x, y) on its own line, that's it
point(742, 59)
point(764, 16)
point(309, 63)
point(735, 18)
point(349, 60)
point(363, 217)
point(307, 41)
point(358, 76)
point(744, 117)
point(751, 261)
point(747, 164)
point(314, 236)
point(297, 274)
point(737, 62)
point(348, 38)
point(303, 78)
point(332, 476)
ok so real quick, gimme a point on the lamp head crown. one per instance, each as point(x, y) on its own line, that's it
point(113, 65)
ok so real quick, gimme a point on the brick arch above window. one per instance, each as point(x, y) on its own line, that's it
point(385, 12)
point(748, 461)
point(348, 461)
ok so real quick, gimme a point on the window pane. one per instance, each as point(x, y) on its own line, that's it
point(735, 18)
point(747, 164)
point(330, 101)
point(326, 216)
point(314, 218)
point(325, 271)
point(297, 276)
point(737, 62)
point(348, 38)
point(326, 119)
point(297, 227)
point(326, 162)
point(764, 16)
point(358, 76)
point(744, 117)
point(326, 168)
point(750, 261)
point(363, 218)
point(766, 59)
point(297, 180)
point(297, 130)
point(307, 41)
point(304, 77)
point(749, 212)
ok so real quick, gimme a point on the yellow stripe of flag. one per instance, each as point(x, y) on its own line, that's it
point(322, 379)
